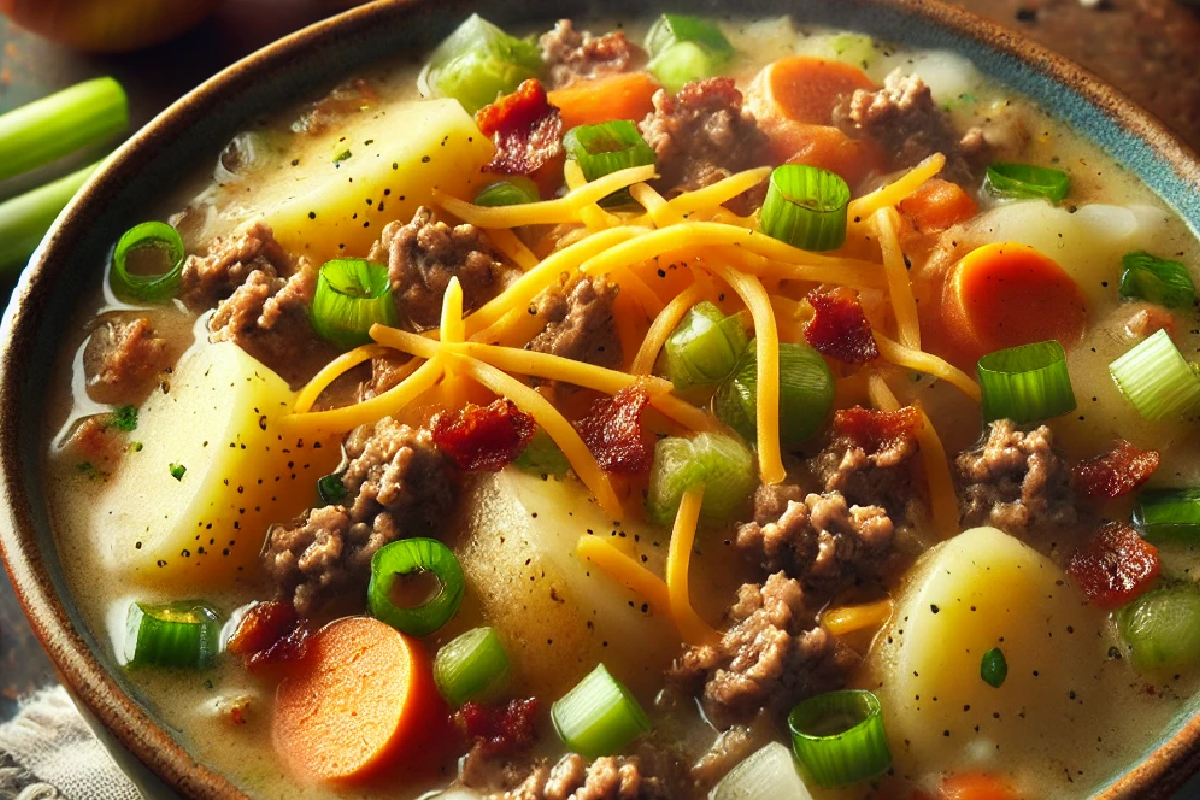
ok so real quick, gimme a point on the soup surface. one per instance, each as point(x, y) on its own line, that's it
point(583, 415)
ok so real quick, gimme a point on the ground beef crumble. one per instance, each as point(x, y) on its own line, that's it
point(572, 55)
point(122, 359)
point(818, 538)
point(1015, 480)
point(424, 254)
point(903, 117)
point(774, 655)
point(579, 323)
point(397, 484)
point(634, 777)
point(701, 135)
point(869, 477)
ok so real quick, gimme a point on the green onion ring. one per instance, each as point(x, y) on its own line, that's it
point(839, 738)
point(1168, 514)
point(1027, 182)
point(405, 557)
point(1026, 383)
point(185, 633)
point(352, 295)
point(147, 288)
point(516, 190)
point(806, 207)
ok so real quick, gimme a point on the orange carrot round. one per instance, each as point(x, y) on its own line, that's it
point(976, 786)
point(938, 205)
point(1009, 294)
point(362, 695)
point(830, 149)
point(590, 102)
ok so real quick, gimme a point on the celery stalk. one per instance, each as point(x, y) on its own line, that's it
point(46, 129)
point(24, 219)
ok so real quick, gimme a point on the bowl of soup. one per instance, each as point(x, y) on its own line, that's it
point(791, 400)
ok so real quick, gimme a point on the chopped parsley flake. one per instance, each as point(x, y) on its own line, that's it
point(91, 471)
point(135, 447)
point(123, 418)
point(177, 471)
point(330, 488)
point(342, 156)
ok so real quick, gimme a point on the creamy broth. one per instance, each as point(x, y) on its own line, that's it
point(1067, 749)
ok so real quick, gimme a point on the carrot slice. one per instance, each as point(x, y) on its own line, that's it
point(589, 102)
point(938, 205)
point(976, 786)
point(1008, 294)
point(793, 100)
point(363, 694)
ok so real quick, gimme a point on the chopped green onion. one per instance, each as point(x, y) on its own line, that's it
point(681, 64)
point(705, 347)
point(46, 129)
point(25, 218)
point(185, 633)
point(342, 156)
point(331, 489)
point(408, 557)
point(839, 737)
point(722, 463)
point(517, 190)
point(806, 207)
point(994, 668)
point(470, 667)
point(606, 148)
point(671, 29)
point(1027, 182)
point(543, 457)
point(1155, 377)
point(767, 774)
point(1025, 383)
point(1158, 280)
point(178, 471)
point(853, 48)
point(1168, 514)
point(805, 394)
point(599, 716)
point(352, 295)
point(149, 238)
point(123, 418)
point(479, 62)
point(1162, 628)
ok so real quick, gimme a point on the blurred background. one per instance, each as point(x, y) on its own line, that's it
point(160, 49)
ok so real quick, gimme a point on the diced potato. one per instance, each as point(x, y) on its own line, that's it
point(325, 203)
point(217, 426)
point(979, 590)
point(558, 615)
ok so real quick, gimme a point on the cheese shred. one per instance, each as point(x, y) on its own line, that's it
point(664, 324)
point(625, 571)
point(347, 418)
point(334, 370)
point(848, 619)
point(862, 208)
point(928, 363)
point(691, 626)
point(904, 305)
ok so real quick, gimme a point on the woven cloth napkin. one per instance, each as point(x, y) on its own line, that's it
point(48, 752)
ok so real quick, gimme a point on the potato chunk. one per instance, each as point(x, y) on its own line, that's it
point(192, 506)
point(557, 615)
point(985, 589)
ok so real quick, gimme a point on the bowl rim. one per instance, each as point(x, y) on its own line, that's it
point(1163, 771)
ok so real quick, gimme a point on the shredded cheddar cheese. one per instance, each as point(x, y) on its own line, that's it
point(507, 243)
point(748, 287)
point(928, 363)
point(942, 500)
point(664, 324)
point(904, 305)
point(334, 370)
point(543, 212)
point(863, 208)
point(625, 570)
point(347, 418)
point(848, 619)
point(691, 626)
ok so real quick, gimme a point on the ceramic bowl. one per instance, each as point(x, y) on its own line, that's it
point(302, 64)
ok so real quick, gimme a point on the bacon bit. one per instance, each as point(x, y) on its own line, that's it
point(612, 430)
point(875, 431)
point(499, 730)
point(526, 129)
point(1116, 473)
point(1115, 566)
point(1149, 320)
point(236, 710)
point(269, 633)
point(483, 438)
point(839, 329)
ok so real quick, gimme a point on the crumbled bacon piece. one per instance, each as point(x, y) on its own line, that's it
point(875, 431)
point(499, 730)
point(526, 129)
point(1149, 320)
point(612, 430)
point(483, 438)
point(1115, 566)
point(1116, 473)
point(269, 633)
point(839, 329)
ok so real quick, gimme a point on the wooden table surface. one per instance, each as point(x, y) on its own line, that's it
point(1147, 48)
